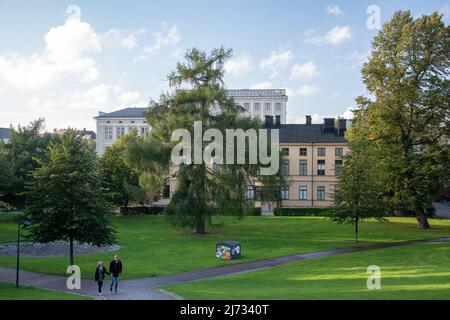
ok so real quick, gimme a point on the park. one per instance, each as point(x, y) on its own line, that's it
point(151, 249)
point(335, 208)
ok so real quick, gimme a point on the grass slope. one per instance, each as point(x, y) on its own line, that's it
point(418, 272)
point(9, 292)
point(151, 247)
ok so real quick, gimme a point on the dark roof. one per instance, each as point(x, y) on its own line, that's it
point(303, 133)
point(125, 113)
point(4, 133)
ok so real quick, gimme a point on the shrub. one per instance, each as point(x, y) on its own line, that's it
point(301, 211)
point(142, 210)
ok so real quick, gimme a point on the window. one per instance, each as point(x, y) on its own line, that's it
point(108, 133)
point(285, 167)
point(120, 132)
point(303, 193)
point(303, 167)
point(337, 166)
point(166, 192)
point(250, 193)
point(278, 106)
point(321, 152)
point(142, 130)
point(320, 167)
point(267, 107)
point(257, 107)
point(285, 151)
point(303, 152)
point(320, 193)
point(338, 152)
point(285, 193)
point(247, 107)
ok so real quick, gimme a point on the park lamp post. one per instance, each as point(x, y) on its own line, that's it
point(22, 223)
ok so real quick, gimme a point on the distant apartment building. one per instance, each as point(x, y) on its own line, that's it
point(259, 103)
point(312, 158)
point(256, 103)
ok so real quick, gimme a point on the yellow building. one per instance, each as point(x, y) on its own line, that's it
point(312, 157)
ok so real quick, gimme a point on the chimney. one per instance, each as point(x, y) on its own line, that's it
point(329, 124)
point(308, 120)
point(342, 127)
point(269, 121)
point(277, 121)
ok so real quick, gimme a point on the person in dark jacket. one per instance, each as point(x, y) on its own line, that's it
point(115, 268)
point(100, 276)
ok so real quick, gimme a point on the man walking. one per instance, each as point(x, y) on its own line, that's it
point(115, 268)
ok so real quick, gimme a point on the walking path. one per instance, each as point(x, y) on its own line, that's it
point(146, 288)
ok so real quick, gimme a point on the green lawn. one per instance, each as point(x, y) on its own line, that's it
point(152, 247)
point(417, 272)
point(9, 292)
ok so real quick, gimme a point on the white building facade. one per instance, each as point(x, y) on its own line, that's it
point(256, 102)
point(262, 102)
point(111, 126)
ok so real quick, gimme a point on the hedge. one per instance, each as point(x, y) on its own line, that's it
point(142, 210)
point(301, 212)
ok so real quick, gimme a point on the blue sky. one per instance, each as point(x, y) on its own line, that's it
point(67, 60)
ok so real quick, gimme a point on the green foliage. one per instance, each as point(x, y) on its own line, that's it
point(120, 180)
point(408, 121)
point(21, 155)
point(65, 200)
point(359, 191)
point(299, 212)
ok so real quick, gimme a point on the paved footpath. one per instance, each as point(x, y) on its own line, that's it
point(146, 288)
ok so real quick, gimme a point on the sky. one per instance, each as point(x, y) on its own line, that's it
point(67, 60)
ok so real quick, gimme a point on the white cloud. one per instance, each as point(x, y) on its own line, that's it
point(93, 99)
point(348, 114)
point(162, 39)
point(334, 10)
point(278, 60)
point(262, 85)
point(339, 35)
point(306, 70)
point(120, 38)
point(303, 91)
point(239, 66)
point(61, 82)
point(317, 118)
point(64, 56)
point(335, 36)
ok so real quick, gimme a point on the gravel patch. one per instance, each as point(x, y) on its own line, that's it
point(51, 249)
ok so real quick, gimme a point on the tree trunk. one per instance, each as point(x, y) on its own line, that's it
point(200, 229)
point(356, 229)
point(72, 261)
point(421, 218)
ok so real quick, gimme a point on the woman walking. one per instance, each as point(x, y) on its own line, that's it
point(100, 276)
